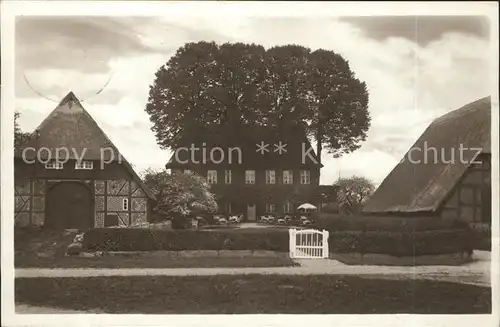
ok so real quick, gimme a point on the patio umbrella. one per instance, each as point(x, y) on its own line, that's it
point(306, 206)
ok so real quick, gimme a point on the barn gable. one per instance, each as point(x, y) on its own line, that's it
point(106, 193)
point(69, 126)
point(419, 183)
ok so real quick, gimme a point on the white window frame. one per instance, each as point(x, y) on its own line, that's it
point(288, 177)
point(228, 178)
point(305, 177)
point(250, 177)
point(270, 176)
point(288, 207)
point(84, 165)
point(53, 164)
point(125, 204)
point(212, 176)
point(270, 208)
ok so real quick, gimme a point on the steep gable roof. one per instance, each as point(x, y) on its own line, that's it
point(420, 185)
point(297, 149)
point(69, 126)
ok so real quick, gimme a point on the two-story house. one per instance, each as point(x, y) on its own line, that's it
point(257, 171)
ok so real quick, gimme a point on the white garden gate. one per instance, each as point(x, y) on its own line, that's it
point(308, 243)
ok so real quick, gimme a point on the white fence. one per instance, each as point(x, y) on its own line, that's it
point(308, 243)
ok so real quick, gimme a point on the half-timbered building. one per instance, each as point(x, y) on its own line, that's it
point(446, 173)
point(69, 175)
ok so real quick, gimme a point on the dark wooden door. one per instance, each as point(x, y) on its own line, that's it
point(69, 206)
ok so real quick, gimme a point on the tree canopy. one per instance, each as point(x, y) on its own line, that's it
point(353, 192)
point(206, 88)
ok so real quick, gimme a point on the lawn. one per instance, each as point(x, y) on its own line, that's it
point(252, 294)
point(151, 262)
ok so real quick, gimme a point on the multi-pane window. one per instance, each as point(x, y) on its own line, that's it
point(305, 177)
point(228, 177)
point(270, 176)
point(288, 207)
point(250, 177)
point(53, 164)
point(86, 165)
point(270, 208)
point(125, 204)
point(212, 177)
point(287, 176)
point(187, 171)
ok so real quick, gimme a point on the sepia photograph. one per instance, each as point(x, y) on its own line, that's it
point(249, 159)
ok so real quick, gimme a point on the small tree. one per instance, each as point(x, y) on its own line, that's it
point(20, 137)
point(179, 195)
point(353, 192)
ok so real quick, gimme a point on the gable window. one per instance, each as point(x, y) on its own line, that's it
point(212, 177)
point(287, 177)
point(85, 165)
point(270, 208)
point(250, 177)
point(305, 177)
point(270, 176)
point(288, 207)
point(227, 176)
point(53, 164)
point(125, 204)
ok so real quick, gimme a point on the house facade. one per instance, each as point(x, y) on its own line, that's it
point(446, 173)
point(256, 171)
point(69, 175)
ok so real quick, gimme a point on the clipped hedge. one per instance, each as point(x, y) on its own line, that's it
point(402, 244)
point(381, 242)
point(335, 222)
point(129, 239)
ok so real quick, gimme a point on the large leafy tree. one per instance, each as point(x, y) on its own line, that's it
point(179, 193)
point(339, 104)
point(207, 89)
point(20, 137)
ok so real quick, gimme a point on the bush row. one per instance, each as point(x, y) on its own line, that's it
point(127, 239)
point(402, 244)
point(387, 242)
point(335, 222)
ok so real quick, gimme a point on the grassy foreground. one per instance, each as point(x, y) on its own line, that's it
point(151, 262)
point(253, 294)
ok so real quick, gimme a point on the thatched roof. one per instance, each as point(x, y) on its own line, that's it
point(71, 127)
point(245, 138)
point(420, 185)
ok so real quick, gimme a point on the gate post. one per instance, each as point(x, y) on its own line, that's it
point(291, 242)
point(326, 250)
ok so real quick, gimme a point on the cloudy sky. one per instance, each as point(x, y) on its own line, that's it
point(416, 69)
